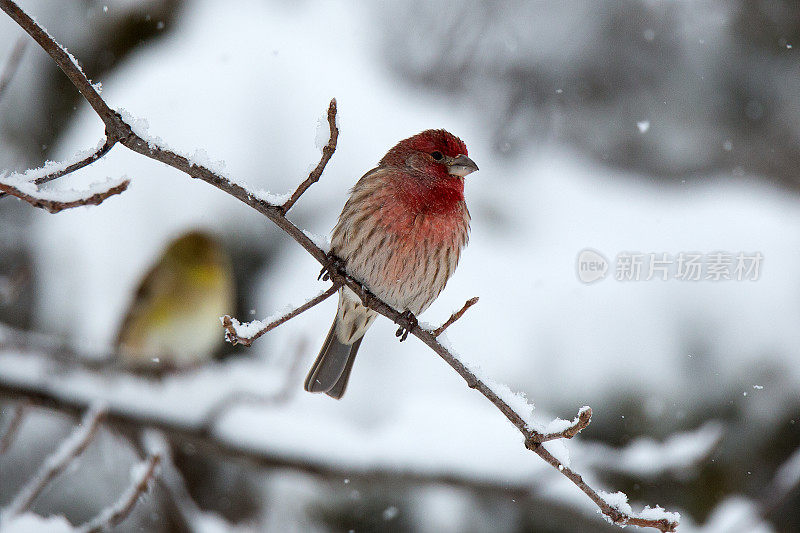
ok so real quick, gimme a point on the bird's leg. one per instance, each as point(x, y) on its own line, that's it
point(407, 321)
point(332, 264)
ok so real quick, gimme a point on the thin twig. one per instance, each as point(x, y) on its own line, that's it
point(455, 316)
point(578, 424)
point(88, 160)
point(13, 426)
point(231, 324)
point(117, 513)
point(10, 68)
point(65, 454)
point(117, 127)
point(54, 206)
point(327, 153)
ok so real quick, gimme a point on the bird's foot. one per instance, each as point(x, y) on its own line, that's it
point(407, 321)
point(332, 264)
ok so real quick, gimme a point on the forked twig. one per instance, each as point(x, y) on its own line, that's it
point(455, 316)
point(234, 329)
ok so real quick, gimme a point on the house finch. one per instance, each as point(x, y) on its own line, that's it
point(400, 233)
point(173, 320)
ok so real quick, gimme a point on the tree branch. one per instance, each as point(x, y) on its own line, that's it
point(117, 128)
point(238, 333)
point(99, 152)
point(114, 515)
point(455, 316)
point(67, 452)
point(327, 153)
point(577, 425)
point(37, 199)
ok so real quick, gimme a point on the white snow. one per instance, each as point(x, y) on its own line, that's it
point(658, 513)
point(516, 400)
point(558, 425)
point(323, 242)
point(32, 523)
point(60, 194)
point(247, 329)
point(643, 126)
point(51, 167)
point(270, 197)
point(617, 500)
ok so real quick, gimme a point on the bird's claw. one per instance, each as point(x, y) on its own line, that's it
point(407, 322)
point(332, 264)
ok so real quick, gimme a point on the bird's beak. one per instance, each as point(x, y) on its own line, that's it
point(461, 166)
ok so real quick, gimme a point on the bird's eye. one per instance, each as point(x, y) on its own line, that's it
point(437, 155)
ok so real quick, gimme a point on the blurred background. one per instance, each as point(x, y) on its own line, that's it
point(621, 126)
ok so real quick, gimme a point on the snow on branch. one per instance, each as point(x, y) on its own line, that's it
point(55, 201)
point(246, 332)
point(141, 476)
point(65, 454)
point(118, 130)
point(53, 170)
point(563, 429)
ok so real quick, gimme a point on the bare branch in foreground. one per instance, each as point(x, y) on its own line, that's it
point(67, 452)
point(117, 128)
point(235, 331)
point(10, 68)
point(114, 515)
point(327, 153)
point(13, 426)
point(455, 316)
point(54, 206)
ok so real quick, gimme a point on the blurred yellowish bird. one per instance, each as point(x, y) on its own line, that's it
point(173, 320)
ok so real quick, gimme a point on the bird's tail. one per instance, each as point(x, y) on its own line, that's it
point(331, 370)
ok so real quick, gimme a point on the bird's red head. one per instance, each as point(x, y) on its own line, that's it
point(434, 152)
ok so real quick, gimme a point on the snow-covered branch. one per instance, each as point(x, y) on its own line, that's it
point(246, 332)
point(117, 129)
point(141, 476)
point(67, 452)
point(55, 201)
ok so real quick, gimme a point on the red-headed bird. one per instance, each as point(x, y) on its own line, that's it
point(400, 233)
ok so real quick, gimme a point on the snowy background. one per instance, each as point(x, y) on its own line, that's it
point(635, 127)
